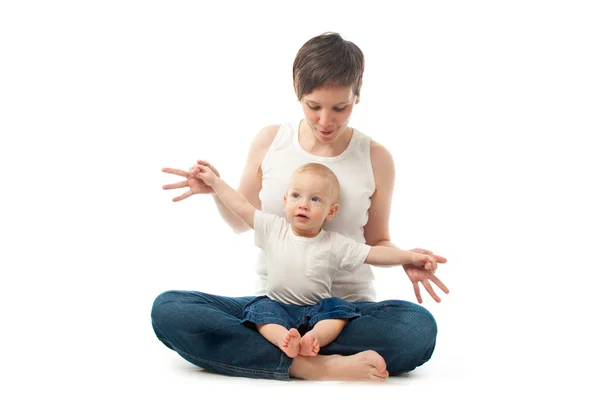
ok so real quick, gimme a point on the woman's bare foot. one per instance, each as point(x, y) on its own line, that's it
point(309, 345)
point(290, 343)
point(365, 366)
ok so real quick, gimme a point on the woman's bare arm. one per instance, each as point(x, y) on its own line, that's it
point(377, 231)
point(251, 180)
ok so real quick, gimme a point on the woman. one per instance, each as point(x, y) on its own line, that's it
point(391, 337)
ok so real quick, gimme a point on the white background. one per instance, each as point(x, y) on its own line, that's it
point(489, 109)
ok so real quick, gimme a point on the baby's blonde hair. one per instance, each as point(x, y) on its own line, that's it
point(324, 172)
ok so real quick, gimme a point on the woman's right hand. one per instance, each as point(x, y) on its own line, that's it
point(195, 185)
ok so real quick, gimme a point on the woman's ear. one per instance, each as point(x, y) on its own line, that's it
point(357, 100)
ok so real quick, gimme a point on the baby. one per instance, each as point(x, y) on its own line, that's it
point(302, 260)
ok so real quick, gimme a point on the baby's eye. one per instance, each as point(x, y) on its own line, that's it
point(295, 195)
point(315, 199)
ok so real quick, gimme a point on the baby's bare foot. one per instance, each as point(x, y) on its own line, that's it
point(309, 345)
point(290, 343)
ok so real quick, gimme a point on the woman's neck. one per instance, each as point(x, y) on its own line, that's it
point(312, 145)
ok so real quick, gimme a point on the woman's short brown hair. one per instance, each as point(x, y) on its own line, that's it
point(328, 60)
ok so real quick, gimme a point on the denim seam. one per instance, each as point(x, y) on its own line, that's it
point(278, 375)
point(332, 315)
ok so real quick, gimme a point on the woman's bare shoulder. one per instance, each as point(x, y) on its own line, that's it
point(261, 143)
point(381, 159)
point(264, 138)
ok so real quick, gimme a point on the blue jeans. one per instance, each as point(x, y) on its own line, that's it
point(263, 310)
point(205, 330)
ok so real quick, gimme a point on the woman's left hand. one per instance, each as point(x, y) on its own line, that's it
point(419, 274)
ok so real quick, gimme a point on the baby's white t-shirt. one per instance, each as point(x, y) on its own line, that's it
point(300, 270)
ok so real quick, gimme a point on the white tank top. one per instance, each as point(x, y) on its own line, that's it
point(354, 171)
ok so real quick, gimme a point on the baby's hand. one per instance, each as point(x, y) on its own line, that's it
point(427, 262)
point(205, 173)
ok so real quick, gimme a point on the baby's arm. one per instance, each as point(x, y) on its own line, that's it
point(233, 199)
point(382, 256)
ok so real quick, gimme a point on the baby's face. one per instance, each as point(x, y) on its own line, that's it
point(308, 203)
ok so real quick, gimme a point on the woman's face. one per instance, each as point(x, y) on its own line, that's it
point(327, 111)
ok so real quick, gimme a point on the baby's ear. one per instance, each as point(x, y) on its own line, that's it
point(334, 209)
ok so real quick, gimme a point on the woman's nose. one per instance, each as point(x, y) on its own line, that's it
point(325, 119)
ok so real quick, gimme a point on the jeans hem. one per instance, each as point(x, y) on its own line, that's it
point(238, 371)
point(260, 320)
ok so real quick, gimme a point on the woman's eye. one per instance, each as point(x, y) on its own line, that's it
point(317, 108)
